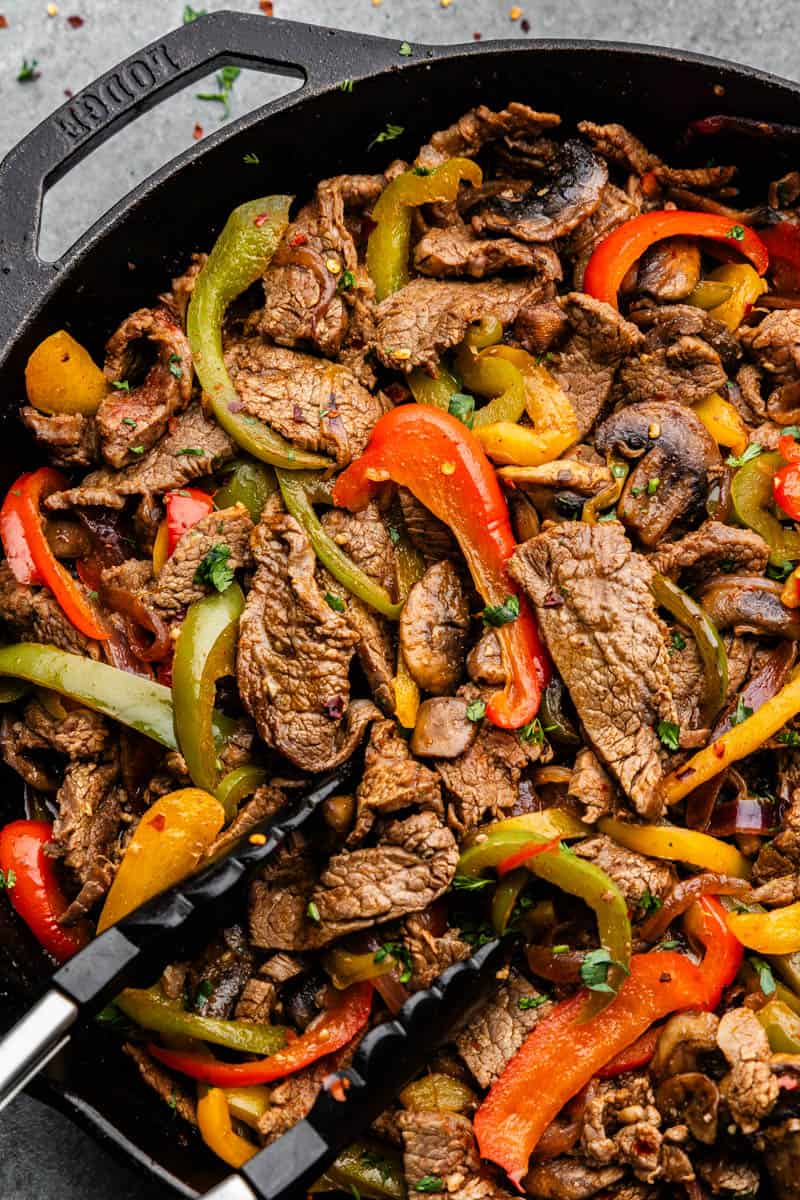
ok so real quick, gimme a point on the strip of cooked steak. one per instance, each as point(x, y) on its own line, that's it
point(454, 250)
point(177, 584)
point(80, 734)
point(132, 418)
point(193, 446)
point(481, 125)
point(590, 787)
point(33, 614)
point(392, 780)
point(704, 552)
point(315, 404)
point(433, 629)
point(494, 1035)
point(441, 1146)
point(294, 654)
point(267, 801)
point(88, 829)
point(430, 955)
point(750, 1089)
point(775, 346)
point(624, 149)
point(597, 615)
point(426, 532)
point(634, 874)
point(570, 1179)
point(614, 209)
point(171, 1088)
point(68, 439)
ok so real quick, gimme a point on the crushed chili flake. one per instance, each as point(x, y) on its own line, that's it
point(297, 413)
point(525, 25)
point(335, 708)
point(476, 37)
point(299, 239)
point(68, 92)
point(719, 749)
point(337, 1086)
point(159, 822)
point(266, 7)
point(197, 133)
point(3, 22)
point(75, 22)
point(515, 13)
point(260, 220)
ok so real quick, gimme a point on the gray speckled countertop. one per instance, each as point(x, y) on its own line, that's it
point(42, 1156)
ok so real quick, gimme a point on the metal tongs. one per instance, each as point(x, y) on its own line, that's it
point(132, 951)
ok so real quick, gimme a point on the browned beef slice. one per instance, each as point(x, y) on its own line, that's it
point(687, 682)
point(494, 1035)
point(430, 955)
point(33, 614)
point(181, 288)
point(485, 778)
point(175, 586)
point(171, 1088)
point(410, 868)
point(136, 416)
point(725, 1176)
point(597, 342)
point(68, 439)
point(591, 787)
point(684, 358)
point(433, 629)
point(419, 322)
point(294, 654)
point(295, 307)
point(428, 534)
point(456, 251)
point(634, 874)
point(438, 1145)
point(481, 125)
point(88, 828)
point(172, 463)
point(625, 150)
point(80, 734)
point(750, 1089)
point(621, 1124)
point(781, 856)
point(279, 901)
point(775, 347)
point(392, 780)
point(256, 1002)
point(291, 1099)
point(597, 615)
point(700, 553)
point(782, 1158)
point(571, 1179)
point(665, 323)
point(315, 404)
point(20, 748)
point(264, 803)
point(217, 979)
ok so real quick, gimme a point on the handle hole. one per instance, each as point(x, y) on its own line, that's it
point(93, 186)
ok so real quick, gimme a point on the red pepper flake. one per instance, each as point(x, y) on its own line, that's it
point(159, 822)
point(75, 22)
point(525, 25)
point(665, 977)
point(297, 413)
point(476, 37)
point(299, 239)
point(266, 7)
point(335, 708)
point(260, 220)
point(719, 749)
point(337, 1086)
point(3, 22)
point(198, 132)
point(68, 92)
point(552, 600)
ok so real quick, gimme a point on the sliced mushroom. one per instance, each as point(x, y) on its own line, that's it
point(485, 661)
point(683, 1038)
point(570, 473)
point(690, 1099)
point(433, 629)
point(570, 193)
point(749, 604)
point(676, 454)
point(443, 729)
point(670, 270)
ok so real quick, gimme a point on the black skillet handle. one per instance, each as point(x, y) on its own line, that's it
point(321, 57)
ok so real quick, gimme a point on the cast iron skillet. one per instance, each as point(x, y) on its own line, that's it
point(130, 254)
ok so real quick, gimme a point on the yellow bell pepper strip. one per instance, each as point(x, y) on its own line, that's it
point(437, 392)
point(170, 840)
point(709, 295)
point(781, 1025)
point(205, 652)
point(562, 868)
point(150, 1009)
point(677, 845)
point(548, 823)
point(371, 1169)
point(775, 932)
point(410, 568)
point(216, 1130)
point(746, 286)
point(555, 425)
point(609, 496)
point(734, 744)
point(236, 786)
point(248, 1104)
point(790, 594)
point(390, 241)
point(346, 1015)
point(723, 422)
point(347, 967)
point(61, 377)
point(753, 505)
point(710, 645)
point(295, 491)
point(160, 547)
point(490, 373)
point(240, 256)
point(247, 482)
point(506, 895)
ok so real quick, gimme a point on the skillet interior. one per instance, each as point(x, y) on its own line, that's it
point(131, 254)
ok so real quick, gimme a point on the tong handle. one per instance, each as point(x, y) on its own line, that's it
point(33, 1041)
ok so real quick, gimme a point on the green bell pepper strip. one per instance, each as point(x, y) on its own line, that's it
point(247, 482)
point(753, 505)
point(709, 644)
point(240, 256)
point(491, 376)
point(132, 700)
point(781, 1025)
point(573, 875)
point(389, 243)
point(295, 492)
point(368, 1169)
point(438, 392)
point(149, 1009)
point(205, 652)
point(237, 785)
point(506, 895)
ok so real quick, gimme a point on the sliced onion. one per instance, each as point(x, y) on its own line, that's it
point(127, 603)
point(558, 968)
point(745, 814)
point(684, 894)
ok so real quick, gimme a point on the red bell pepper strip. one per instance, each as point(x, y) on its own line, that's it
point(184, 509)
point(542, 1076)
point(33, 889)
point(21, 522)
point(526, 852)
point(346, 1016)
point(635, 1056)
point(625, 245)
point(443, 464)
point(783, 243)
point(786, 480)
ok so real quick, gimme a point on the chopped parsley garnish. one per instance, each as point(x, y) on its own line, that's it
point(668, 734)
point(462, 407)
point(175, 368)
point(370, 1159)
point(469, 883)
point(429, 1183)
point(335, 602)
point(547, 356)
point(112, 1017)
point(766, 980)
point(313, 912)
point(137, 449)
point(727, 566)
point(653, 485)
point(387, 134)
point(423, 171)
point(191, 14)
point(672, 944)
point(27, 72)
point(788, 737)
point(618, 471)
point(677, 640)
point(501, 614)
point(202, 994)
point(225, 81)
point(533, 732)
point(394, 534)
point(739, 460)
point(400, 954)
point(595, 968)
point(736, 232)
point(561, 948)
point(8, 880)
point(346, 85)
point(743, 711)
point(648, 902)
point(93, 595)
point(346, 282)
point(526, 1002)
point(405, 50)
point(214, 568)
point(780, 571)
point(637, 491)
point(476, 711)
point(251, 159)
point(129, 421)
point(122, 385)
point(191, 452)
point(474, 933)
point(791, 431)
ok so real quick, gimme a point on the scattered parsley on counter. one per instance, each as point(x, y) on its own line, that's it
point(191, 14)
point(405, 50)
point(27, 72)
point(225, 81)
